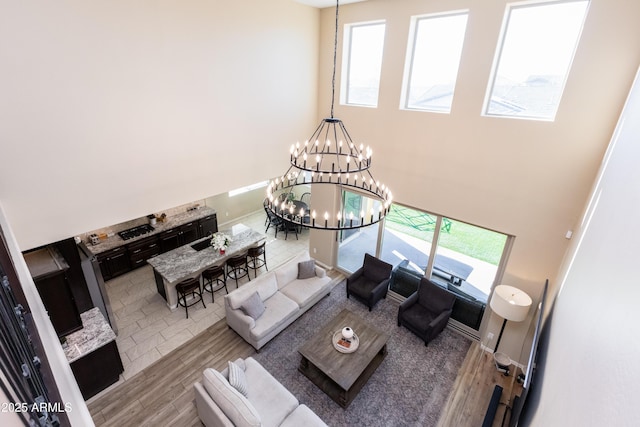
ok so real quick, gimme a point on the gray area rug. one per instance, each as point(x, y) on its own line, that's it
point(409, 388)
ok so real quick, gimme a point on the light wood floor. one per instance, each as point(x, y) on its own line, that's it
point(471, 393)
point(162, 394)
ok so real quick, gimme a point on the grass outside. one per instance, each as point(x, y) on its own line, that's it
point(464, 238)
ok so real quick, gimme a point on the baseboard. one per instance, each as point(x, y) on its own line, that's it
point(323, 265)
point(463, 330)
point(490, 350)
point(238, 219)
point(395, 297)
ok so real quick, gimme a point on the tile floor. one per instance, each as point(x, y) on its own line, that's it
point(148, 329)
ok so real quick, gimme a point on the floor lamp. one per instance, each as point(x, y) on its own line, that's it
point(511, 304)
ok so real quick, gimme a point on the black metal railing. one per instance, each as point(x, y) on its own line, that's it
point(23, 383)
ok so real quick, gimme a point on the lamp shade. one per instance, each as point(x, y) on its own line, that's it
point(510, 303)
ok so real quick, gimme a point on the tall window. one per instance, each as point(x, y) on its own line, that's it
point(432, 62)
point(361, 63)
point(536, 50)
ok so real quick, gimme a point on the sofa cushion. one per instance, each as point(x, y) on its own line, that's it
point(253, 306)
point(278, 311)
point(303, 416)
point(306, 269)
point(303, 291)
point(454, 289)
point(265, 285)
point(270, 398)
point(238, 379)
point(289, 271)
point(235, 406)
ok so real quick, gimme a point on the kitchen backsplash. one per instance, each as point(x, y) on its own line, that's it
point(113, 229)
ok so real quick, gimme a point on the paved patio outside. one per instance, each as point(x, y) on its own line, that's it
point(399, 246)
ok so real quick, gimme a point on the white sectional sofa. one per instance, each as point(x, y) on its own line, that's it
point(283, 297)
point(267, 402)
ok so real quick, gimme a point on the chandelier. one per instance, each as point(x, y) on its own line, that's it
point(329, 157)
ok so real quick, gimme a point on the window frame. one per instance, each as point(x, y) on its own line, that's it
point(498, 56)
point(247, 188)
point(410, 58)
point(346, 61)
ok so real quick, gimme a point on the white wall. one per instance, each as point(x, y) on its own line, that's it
point(521, 177)
point(63, 376)
point(591, 374)
point(115, 109)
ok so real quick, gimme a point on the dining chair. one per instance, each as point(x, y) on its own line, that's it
point(272, 220)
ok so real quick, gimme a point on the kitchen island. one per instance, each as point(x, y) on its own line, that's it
point(174, 266)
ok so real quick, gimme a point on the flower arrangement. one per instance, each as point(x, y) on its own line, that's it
point(220, 241)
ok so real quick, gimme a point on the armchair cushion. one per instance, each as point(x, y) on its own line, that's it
point(370, 283)
point(375, 269)
point(434, 297)
point(427, 311)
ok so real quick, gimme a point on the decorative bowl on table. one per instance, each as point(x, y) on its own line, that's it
point(343, 344)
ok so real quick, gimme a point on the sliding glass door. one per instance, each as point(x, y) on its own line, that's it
point(353, 244)
point(406, 244)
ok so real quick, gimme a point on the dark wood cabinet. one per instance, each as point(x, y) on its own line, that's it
point(189, 232)
point(140, 251)
point(114, 262)
point(169, 239)
point(98, 369)
point(179, 236)
point(69, 250)
point(207, 225)
point(49, 271)
point(123, 259)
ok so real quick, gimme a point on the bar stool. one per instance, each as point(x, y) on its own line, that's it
point(237, 267)
point(257, 258)
point(189, 286)
point(211, 280)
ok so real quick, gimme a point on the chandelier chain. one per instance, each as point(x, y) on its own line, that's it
point(335, 56)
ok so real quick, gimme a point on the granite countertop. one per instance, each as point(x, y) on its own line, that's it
point(171, 222)
point(95, 333)
point(186, 261)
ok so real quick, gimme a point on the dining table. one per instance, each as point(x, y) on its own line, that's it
point(296, 211)
point(297, 205)
point(190, 260)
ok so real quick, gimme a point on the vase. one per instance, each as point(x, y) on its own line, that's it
point(347, 333)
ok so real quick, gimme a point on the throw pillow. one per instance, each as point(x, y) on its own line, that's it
point(253, 306)
point(307, 269)
point(237, 378)
point(233, 404)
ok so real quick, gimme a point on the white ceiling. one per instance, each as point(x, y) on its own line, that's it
point(326, 3)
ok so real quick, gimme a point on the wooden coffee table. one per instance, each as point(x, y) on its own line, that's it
point(342, 375)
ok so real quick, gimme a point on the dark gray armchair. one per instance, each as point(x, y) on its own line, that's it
point(370, 282)
point(427, 311)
